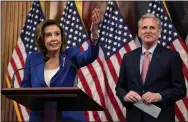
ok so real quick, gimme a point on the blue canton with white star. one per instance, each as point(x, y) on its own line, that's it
point(114, 33)
point(27, 35)
point(168, 33)
point(72, 25)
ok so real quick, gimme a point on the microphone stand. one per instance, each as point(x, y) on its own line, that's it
point(13, 77)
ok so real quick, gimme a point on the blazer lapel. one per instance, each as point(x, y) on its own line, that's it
point(137, 67)
point(153, 64)
point(40, 72)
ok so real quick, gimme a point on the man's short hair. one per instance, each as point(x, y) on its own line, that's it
point(149, 15)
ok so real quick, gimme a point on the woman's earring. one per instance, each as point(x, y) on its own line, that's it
point(43, 46)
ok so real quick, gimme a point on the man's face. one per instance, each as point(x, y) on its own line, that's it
point(149, 31)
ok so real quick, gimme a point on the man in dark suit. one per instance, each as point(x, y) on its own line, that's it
point(151, 74)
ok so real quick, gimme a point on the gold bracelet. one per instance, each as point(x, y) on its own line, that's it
point(94, 38)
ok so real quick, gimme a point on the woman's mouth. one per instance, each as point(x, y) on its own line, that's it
point(147, 36)
point(54, 45)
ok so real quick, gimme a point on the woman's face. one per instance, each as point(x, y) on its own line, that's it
point(52, 38)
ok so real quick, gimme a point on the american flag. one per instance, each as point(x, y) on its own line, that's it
point(72, 25)
point(25, 45)
point(186, 40)
point(171, 39)
point(115, 41)
point(99, 79)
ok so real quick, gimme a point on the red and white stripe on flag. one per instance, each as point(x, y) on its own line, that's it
point(25, 45)
point(99, 79)
point(171, 39)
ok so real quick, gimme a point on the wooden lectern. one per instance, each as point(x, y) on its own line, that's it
point(57, 99)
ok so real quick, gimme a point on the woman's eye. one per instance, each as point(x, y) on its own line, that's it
point(57, 34)
point(48, 34)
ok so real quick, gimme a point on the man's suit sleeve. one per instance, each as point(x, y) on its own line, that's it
point(178, 88)
point(122, 83)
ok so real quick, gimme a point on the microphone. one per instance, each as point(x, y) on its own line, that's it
point(13, 77)
point(76, 77)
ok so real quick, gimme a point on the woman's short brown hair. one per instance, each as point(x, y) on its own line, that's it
point(39, 35)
